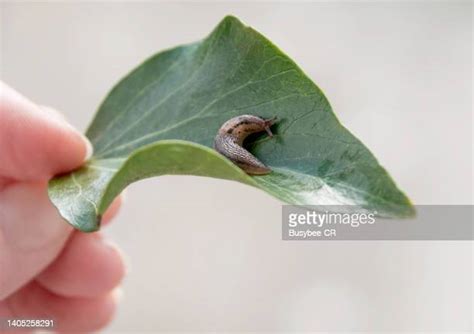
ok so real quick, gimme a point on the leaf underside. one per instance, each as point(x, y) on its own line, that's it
point(162, 119)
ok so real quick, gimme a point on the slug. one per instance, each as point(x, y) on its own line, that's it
point(231, 136)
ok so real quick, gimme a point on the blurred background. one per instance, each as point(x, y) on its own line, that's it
point(398, 75)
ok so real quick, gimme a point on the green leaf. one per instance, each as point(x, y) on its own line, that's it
point(162, 119)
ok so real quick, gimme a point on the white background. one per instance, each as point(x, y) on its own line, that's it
point(207, 254)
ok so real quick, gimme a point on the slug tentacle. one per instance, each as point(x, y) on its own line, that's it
point(232, 134)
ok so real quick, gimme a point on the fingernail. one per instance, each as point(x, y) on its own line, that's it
point(124, 195)
point(89, 148)
point(117, 294)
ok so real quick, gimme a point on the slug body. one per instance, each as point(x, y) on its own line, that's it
point(231, 136)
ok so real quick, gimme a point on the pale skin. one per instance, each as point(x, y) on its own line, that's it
point(48, 270)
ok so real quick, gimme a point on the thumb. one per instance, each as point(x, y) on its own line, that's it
point(36, 143)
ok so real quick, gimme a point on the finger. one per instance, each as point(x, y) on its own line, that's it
point(5, 315)
point(36, 144)
point(31, 234)
point(68, 314)
point(89, 266)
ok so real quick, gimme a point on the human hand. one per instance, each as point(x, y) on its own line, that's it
point(47, 270)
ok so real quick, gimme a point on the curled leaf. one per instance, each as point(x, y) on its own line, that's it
point(162, 119)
